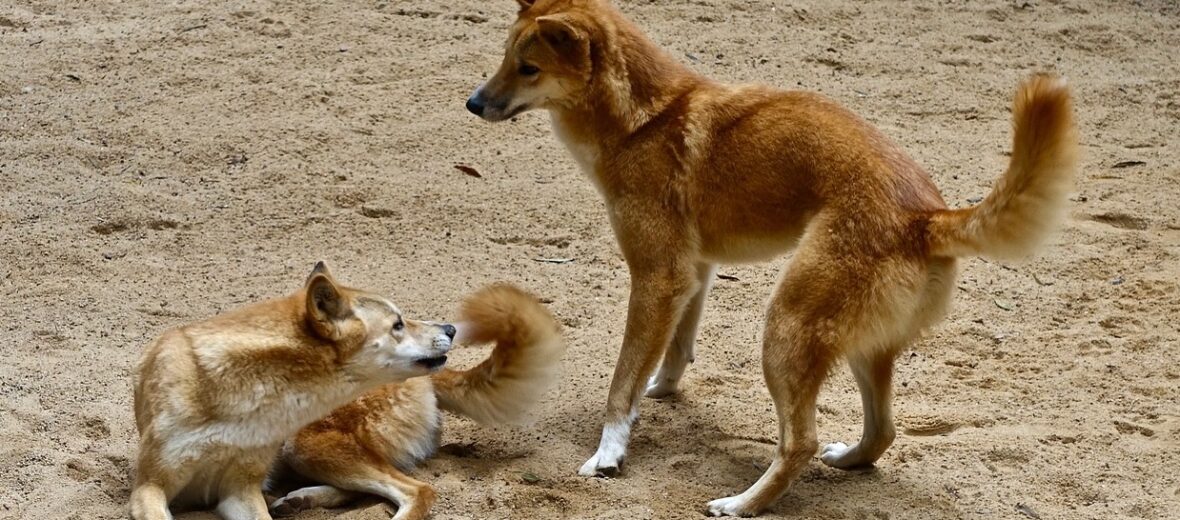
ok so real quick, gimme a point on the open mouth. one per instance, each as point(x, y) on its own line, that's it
point(432, 362)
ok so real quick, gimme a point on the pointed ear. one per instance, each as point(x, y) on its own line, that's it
point(324, 304)
point(560, 31)
point(525, 4)
point(320, 268)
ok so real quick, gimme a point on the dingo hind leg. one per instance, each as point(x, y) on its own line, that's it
point(820, 312)
point(346, 468)
point(874, 376)
point(795, 362)
point(311, 497)
point(873, 370)
point(412, 497)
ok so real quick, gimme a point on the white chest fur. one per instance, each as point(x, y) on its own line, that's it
point(585, 154)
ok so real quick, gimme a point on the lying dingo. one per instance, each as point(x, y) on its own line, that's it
point(215, 400)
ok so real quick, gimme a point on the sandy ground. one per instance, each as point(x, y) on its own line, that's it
point(164, 161)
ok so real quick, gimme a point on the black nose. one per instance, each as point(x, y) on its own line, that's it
point(449, 330)
point(475, 105)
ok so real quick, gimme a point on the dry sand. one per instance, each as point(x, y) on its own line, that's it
point(164, 161)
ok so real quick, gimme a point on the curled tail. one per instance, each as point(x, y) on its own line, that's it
point(1028, 201)
point(523, 363)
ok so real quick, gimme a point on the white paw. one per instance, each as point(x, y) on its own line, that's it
point(289, 505)
point(729, 506)
point(608, 460)
point(601, 466)
point(833, 453)
point(842, 456)
point(659, 387)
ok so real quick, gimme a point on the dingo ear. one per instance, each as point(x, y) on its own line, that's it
point(320, 267)
point(525, 4)
point(324, 304)
point(560, 31)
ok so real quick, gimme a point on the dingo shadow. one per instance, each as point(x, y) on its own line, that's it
point(681, 441)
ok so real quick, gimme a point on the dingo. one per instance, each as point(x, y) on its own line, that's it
point(215, 400)
point(363, 446)
point(696, 173)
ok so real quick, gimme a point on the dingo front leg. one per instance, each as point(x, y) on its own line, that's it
point(680, 352)
point(658, 300)
point(149, 502)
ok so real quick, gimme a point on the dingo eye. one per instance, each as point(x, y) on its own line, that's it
point(399, 325)
point(528, 70)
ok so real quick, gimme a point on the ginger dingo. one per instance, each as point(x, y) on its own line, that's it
point(696, 173)
point(215, 400)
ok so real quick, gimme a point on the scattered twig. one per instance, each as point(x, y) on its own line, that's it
point(1027, 511)
point(193, 28)
point(1041, 281)
point(729, 277)
point(554, 260)
point(473, 18)
point(471, 172)
point(1128, 164)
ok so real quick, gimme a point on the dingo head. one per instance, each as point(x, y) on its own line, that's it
point(547, 62)
point(372, 338)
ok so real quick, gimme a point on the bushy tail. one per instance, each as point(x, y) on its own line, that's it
point(523, 363)
point(1029, 200)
